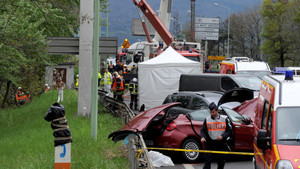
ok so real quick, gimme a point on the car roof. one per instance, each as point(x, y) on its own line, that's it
point(210, 96)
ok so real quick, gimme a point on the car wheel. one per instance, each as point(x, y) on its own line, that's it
point(193, 145)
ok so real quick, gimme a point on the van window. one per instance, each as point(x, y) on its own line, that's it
point(264, 115)
point(287, 125)
point(227, 83)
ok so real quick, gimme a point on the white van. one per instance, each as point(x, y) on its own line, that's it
point(296, 70)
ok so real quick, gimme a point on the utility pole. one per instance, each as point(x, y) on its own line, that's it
point(193, 20)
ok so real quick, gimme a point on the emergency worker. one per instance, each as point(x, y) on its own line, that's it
point(118, 86)
point(133, 88)
point(121, 73)
point(219, 66)
point(133, 70)
point(107, 82)
point(47, 88)
point(214, 132)
point(99, 78)
point(20, 91)
point(77, 81)
point(111, 67)
point(117, 67)
point(20, 96)
point(126, 71)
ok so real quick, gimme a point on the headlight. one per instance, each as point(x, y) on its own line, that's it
point(284, 164)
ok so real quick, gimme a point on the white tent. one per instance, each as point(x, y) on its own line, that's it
point(159, 77)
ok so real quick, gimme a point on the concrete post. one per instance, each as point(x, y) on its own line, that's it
point(85, 57)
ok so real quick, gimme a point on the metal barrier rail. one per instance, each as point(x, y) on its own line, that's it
point(136, 142)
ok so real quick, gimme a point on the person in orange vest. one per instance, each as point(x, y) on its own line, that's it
point(20, 96)
point(47, 88)
point(214, 133)
point(118, 86)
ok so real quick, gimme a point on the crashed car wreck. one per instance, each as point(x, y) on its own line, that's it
point(165, 126)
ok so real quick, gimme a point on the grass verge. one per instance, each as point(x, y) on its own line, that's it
point(26, 139)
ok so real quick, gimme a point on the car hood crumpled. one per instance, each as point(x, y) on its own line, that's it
point(139, 123)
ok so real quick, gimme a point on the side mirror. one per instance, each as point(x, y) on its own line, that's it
point(247, 120)
point(263, 140)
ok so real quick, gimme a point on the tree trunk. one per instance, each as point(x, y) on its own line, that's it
point(1, 84)
point(6, 94)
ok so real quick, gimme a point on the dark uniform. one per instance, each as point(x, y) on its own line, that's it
point(212, 128)
point(133, 88)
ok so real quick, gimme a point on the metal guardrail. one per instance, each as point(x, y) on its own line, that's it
point(136, 142)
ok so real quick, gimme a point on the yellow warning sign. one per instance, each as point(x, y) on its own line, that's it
point(125, 44)
point(216, 58)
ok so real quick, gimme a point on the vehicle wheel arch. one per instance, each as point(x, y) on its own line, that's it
point(191, 157)
point(194, 138)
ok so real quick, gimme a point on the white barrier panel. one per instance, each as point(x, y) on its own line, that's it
point(63, 156)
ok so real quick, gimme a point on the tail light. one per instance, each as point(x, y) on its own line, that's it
point(171, 126)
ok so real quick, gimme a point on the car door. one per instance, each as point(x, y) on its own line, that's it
point(242, 130)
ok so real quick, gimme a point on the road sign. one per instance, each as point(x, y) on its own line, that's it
point(220, 58)
point(207, 35)
point(207, 20)
point(204, 25)
point(207, 28)
point(125, 44)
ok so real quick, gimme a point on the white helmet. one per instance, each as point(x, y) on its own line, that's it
point(19, 88)
point(134, 80)
point(116, 74)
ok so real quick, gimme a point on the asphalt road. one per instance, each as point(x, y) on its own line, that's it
point(232, 162)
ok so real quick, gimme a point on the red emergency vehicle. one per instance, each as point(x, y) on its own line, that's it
point(276, 125)
point(236, 66)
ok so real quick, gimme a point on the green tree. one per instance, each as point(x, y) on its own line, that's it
point(276, 44)
point(24, 26)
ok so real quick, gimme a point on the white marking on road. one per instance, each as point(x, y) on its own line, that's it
point(188, 166)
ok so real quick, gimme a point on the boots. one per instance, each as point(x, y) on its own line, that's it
point(131, 104)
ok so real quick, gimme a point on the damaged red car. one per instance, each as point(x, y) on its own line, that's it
point(165, 126)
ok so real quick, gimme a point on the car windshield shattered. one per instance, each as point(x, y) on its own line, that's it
point(288, 126)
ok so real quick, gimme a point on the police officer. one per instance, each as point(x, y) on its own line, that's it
point(214, 132)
